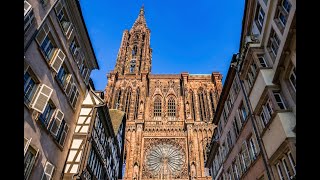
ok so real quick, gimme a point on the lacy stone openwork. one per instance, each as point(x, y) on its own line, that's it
point(165, 160)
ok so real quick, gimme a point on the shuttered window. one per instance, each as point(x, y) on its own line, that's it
point(30, 157)
point(41, 98)
point(47, 114)
point(28, 16)
point(48, 171)
point(63, 75)
point(45, 41)
point(74, 95)
point(64, 19)
point(63, 132)
point(30, 86)
point(69, 83)
point(56, 122)
point(57, 60)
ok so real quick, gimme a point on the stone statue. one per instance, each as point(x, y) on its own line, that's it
point(141, 107)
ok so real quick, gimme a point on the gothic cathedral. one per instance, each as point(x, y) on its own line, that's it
point(168, 115)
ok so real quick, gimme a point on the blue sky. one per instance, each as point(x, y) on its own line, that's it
point(194, 36)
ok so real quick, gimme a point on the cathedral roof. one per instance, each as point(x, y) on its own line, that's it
point(116, 119)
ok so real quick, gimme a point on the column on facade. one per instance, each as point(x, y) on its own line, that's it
point(128, 149)
point(205, 140)
point(190, 144)
point(210, 110)
point(201, 152)
point(196, 151)
point(122, 98)
point(132, 148)
point(137, 153)
point(206, 107)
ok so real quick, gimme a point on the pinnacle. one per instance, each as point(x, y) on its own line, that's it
point(141, 19)
point(142, 10)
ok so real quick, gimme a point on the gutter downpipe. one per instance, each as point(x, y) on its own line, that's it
point(253, 119)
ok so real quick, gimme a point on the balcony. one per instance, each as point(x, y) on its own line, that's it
point(280, 128)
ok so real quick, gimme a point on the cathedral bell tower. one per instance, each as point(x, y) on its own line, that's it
point(134, 55)
point(168, 116)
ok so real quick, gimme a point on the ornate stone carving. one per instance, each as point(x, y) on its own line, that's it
point(165, 158)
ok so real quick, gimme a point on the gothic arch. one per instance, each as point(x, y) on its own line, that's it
point(127, 101)
point(117, 98)
point(212, 106)
point(157, 106)
point(137, 102)
point(171, 104)
point(193, 104)
point(202, 104)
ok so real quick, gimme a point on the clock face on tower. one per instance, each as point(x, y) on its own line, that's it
point(165, 159)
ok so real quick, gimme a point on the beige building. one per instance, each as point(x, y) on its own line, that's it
point(258, 140)
point(58, 60)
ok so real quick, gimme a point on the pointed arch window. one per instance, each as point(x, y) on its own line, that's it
point(193, 105)
point(117, 99)
point(143, 37)
point(202, 108)
point(212, 102)
point(127, 102)
point(134, 50)
point(136, 108)
point(157, 107)
point(171, 107)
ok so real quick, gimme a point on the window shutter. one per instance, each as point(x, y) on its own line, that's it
point(58, 7)
point(256, 146)
point(81, 60)
point(84, 72)
point(69, 83)
point(27, 7)
point(57, 60)
point(246, 154)
point(64, 134)
point(48, 171)
point(56, 123)
point(43, 32)
point(26, 145)
point(41, 98)
point(75, 99)
point(69, 32)
point(87, 76)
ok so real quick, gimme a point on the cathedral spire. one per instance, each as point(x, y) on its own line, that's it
point(141, 19)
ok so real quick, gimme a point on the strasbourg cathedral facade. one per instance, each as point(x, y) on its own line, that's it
point(169, 116)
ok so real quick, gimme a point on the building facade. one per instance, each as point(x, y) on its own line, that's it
point(263, 146)
point(96, 149)
point(169, 116)
point(58, 60)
